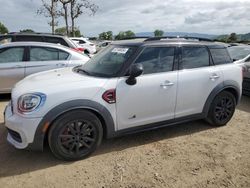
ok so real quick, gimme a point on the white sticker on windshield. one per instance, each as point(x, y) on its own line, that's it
point(120, 50)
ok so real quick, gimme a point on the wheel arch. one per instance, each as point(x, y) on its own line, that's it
point(230, 86)
point(44, 126)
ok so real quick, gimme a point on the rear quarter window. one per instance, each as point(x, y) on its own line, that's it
point(56, 40)
point(220, 56)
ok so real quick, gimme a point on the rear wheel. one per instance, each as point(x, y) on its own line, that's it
point(75, 135)
point(222, 109)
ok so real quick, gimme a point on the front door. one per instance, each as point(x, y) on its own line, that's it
point(153, 97)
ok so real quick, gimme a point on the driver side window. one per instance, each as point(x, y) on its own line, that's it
point(157, 59)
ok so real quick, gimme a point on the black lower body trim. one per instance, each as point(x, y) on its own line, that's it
point(158, 125)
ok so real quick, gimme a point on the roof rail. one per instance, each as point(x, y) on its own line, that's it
point(177, 37)
point(130, 38)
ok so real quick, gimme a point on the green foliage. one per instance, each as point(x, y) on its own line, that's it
point(3, 29)
point(232, 37)
point(63, 31)
point(27, 31)
point(158, 33)
point(125, 35)
point(106, 35)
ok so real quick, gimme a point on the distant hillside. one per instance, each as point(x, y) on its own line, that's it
point(151, 34)
point(240, 37)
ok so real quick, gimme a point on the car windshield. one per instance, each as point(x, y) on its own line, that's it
point(108, 62)
point(239, 52)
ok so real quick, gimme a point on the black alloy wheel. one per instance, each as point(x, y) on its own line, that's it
point(222, 109)
point(75, 135)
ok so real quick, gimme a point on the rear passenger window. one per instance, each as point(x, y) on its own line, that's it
point(47, 54)
point(220, 56)
point(194, 57)
point(157, 59)
point(11, 55)
point(63, 55)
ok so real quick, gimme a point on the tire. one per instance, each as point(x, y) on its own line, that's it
point(75, 135)
point(222, 109)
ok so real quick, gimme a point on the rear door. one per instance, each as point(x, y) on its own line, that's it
point(45, 58)
point(197, 77)
point(11, 67)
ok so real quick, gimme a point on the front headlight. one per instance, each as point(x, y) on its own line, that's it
point(30, 102)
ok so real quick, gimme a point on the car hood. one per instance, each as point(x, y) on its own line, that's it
point(53, 79)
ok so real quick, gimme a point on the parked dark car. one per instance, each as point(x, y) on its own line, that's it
point(40, 37)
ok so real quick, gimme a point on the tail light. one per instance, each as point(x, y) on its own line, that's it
point(78, 49)
point(109, 96)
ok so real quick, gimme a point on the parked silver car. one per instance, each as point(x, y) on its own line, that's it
point(20, 59)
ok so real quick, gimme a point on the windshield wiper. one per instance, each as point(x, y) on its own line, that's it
point(78, 70)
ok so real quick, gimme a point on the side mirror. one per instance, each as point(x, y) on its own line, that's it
point(135, 71)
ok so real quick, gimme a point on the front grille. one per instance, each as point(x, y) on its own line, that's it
point(15, 135)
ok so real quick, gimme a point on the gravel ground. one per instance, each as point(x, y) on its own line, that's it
point(187, 155)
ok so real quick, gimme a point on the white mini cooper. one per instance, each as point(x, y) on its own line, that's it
point(128, 87)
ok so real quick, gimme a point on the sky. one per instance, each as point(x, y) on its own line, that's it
point(199, 16)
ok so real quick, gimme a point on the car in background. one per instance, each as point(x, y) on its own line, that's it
point(40, 37)
point(241, 56)
point(239, 52)
point(20, 59)
point(103, 44)
point(89, 47)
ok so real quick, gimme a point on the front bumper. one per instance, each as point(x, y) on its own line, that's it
point(21, 131)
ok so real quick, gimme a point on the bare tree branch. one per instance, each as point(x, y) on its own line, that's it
point(49, 11)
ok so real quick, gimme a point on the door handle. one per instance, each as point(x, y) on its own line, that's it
point(214, 77)
point(60, 64)
point(167, 84)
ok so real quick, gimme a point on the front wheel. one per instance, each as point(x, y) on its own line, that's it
point(75, 135)
point(222, 109)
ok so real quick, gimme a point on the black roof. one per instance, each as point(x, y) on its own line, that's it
point(169, 41)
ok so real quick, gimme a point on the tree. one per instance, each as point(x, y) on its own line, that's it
point(106, 35)
point(3, 29)
point(62, 31)
point(158, 33)
point(49, 10)
point(125, 35)
point(64, 12)
point(27, 31)
point(76, 9)
point(232, 37)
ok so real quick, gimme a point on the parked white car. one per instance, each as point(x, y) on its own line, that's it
point(241, 55)
point(129, 86)
point(20, 59)
point(89, 47)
